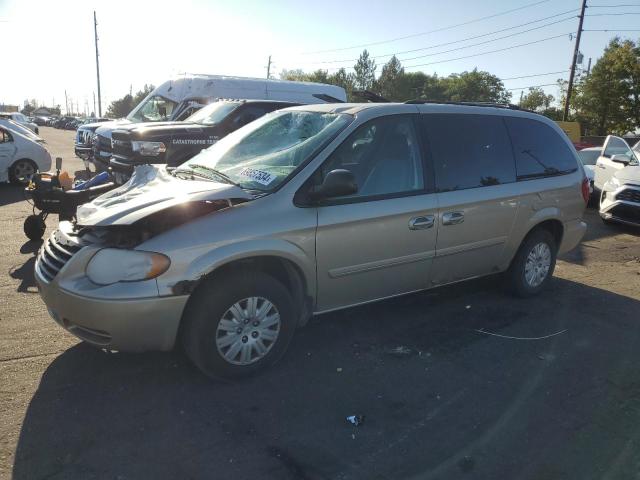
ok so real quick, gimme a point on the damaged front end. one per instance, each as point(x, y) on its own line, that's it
point(132, 235)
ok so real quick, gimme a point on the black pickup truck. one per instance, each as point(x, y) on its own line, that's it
point(173, 143)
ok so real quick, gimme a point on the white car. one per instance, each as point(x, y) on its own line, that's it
point(19, 128)
point(620, 199)
point(21, 119)
point(21, 157)
point(616, 155)
point(589, 157)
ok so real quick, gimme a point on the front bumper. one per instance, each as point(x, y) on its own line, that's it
point(621, 204)
point(124, 324)
point(83, 151)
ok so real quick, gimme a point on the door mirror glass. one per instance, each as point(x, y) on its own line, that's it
point(337, 183)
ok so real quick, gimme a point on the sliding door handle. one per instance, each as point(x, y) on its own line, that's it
point(452, 218)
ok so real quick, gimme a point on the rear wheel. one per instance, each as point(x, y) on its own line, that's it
point(21, 171)
point(238, 325)
point(533, 265)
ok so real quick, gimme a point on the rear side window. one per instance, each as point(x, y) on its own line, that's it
point(539, 150)
point(469, 151)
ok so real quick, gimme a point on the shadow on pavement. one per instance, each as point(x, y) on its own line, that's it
point(24, 272)
point(440, 397)
point(10, 194)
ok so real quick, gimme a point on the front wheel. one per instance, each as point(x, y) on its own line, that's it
point(533, 264)
point(237, 325)
point(21, 171)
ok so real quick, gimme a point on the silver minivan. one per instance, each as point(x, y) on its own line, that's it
point(308, 210)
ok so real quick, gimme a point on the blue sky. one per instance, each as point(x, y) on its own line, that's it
point(146, 42)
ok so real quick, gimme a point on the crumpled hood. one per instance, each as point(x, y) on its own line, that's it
point(629, 175)
point(149, 190)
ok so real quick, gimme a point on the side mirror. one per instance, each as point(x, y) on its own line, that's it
point(337, 183)
point(58, 163)
point(620, 159)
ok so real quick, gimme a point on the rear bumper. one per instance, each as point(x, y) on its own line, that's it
point(574, 230)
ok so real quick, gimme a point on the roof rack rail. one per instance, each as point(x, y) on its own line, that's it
point(508, 106)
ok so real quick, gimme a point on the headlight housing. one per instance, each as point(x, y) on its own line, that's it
point(112, 265)
point(150, 149)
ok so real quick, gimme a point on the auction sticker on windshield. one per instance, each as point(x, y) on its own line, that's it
point(260, 176)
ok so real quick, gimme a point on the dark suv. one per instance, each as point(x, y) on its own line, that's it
point(174, 143)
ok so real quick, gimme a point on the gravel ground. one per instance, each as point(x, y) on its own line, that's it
point(442, 397)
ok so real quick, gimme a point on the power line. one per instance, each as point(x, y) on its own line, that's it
point(534, 75)
point(491, 51)
point(486, 41)
point(610, 30)
point(611, 14)
point(470, 38)
point(616, 6)
point(532, 86)
point(430, 31)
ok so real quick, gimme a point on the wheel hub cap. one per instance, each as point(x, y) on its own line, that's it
point(248, 330)
point(538, 264)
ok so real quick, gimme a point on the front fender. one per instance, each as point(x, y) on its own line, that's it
point(218, 257)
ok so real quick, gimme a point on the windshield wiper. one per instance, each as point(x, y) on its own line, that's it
point(184, 172)
point(216, 173)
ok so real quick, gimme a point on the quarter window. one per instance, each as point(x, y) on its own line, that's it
point(383, 155)
point(469, 151)
point(5, 137)
point(539, 150)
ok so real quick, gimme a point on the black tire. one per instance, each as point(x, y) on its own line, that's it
point(34, 227)
point(515, 277)
point(15, 176)
point(205, 311)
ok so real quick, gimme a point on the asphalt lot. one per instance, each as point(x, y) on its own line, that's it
point(443, 397)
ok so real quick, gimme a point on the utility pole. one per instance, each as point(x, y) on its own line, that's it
point(521, 95)
point(66, 103)
point(94, 103)
point(565, 115)
point(95, 32)
point(589, 67)
point(269, 68)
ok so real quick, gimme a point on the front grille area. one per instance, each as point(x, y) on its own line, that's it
point(53, 256)
point(103, 144)
point(121, 145)
point(627, 213)
point(83, 138)
point(629, 195)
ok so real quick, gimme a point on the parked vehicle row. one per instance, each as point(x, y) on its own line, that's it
point(176, 100)
point(307, 210)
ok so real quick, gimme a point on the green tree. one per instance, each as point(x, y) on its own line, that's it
point(608, 100)
point(365, 71)
point(535, 99)
point(475, 86)
point(388, 85)
point(343, 79)
point(123, 106)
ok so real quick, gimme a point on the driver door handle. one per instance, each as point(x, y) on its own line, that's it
point(452, 218)
point(422, 223)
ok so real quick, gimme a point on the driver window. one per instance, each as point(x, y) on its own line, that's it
point(617, 146)
point(383, 155)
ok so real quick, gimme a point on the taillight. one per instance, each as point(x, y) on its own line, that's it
point(585, 190)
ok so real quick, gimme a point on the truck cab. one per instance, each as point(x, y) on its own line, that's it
point(173, 143)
